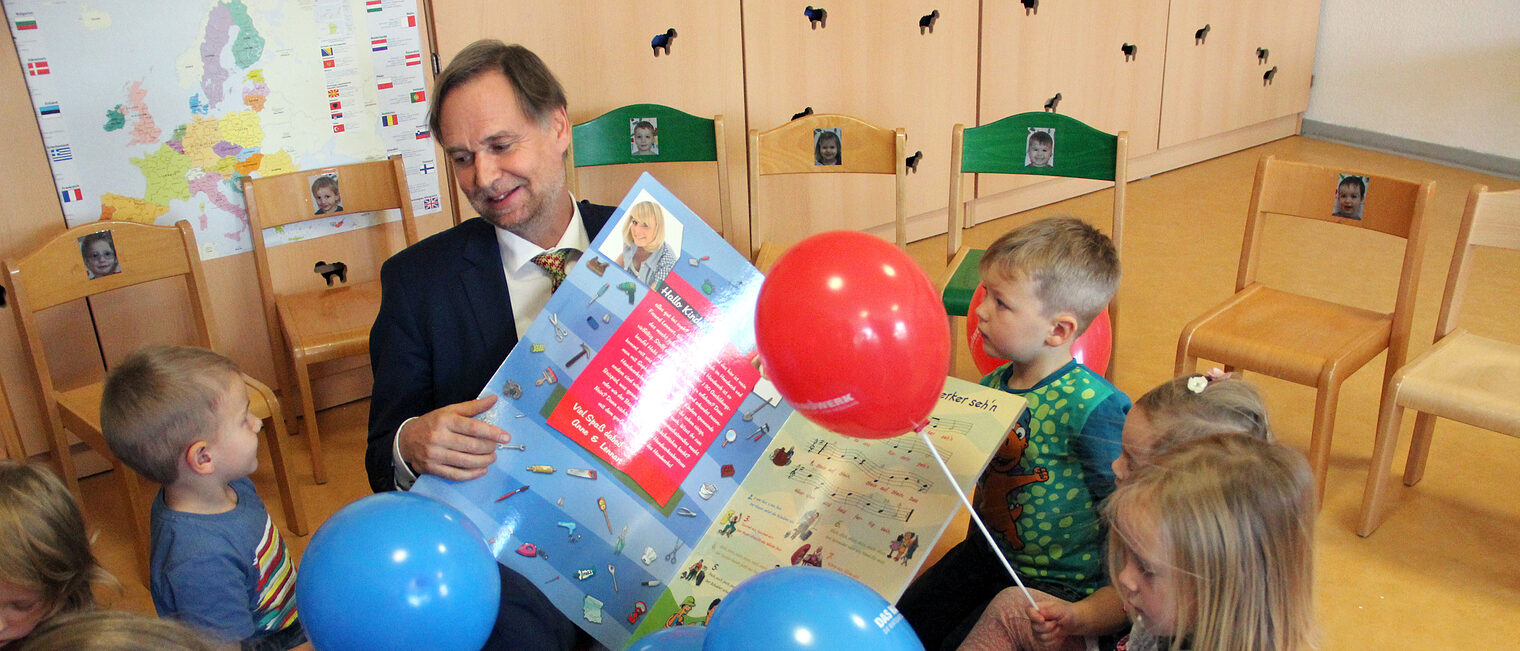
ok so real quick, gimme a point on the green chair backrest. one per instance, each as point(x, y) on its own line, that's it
point(1078, 151)
point(680, 136)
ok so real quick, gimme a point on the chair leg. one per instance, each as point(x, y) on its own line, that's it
point(1185, 362)
point(1324, 429)
point(139, 514)
point(63, 458)
point(309, 411)
point(290, 498)
point(1419, 448)
point(1389, 418)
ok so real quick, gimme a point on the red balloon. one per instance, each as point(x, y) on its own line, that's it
point(853, 335)
point(1093, 347)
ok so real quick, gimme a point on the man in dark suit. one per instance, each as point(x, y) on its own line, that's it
point(454, 304)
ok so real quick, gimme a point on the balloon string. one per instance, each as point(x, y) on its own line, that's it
point(924, 433)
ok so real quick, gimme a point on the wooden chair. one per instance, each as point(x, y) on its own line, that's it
point(788, 149)
point(1079, 151)
point(10, 437)
point(1301, 339)
point(1466, 377)
point(54, 274)
point(313, 323)
point(683, 137)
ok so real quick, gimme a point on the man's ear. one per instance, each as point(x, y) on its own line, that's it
point(1063, 330)
point(559, 126)
point(198, 458)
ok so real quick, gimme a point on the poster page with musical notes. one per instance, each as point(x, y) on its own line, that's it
point(871, 509)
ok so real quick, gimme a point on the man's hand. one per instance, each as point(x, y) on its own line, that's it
point(450, 443)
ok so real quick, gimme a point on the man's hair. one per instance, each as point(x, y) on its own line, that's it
point(1074, 267)
point(539, 93)
point(1228, 522)
point(158, 401)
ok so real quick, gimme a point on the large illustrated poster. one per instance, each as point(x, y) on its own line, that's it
point(651, 465)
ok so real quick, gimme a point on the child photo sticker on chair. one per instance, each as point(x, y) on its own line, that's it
point(644, 136)
point(325, 196)
point(1350, 196)
point(1040, 147)
point(99, 253)
point(828, 147)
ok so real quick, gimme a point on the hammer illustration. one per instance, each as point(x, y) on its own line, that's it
point(585, 350)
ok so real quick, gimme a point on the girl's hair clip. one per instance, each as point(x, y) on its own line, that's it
point(1198, 383)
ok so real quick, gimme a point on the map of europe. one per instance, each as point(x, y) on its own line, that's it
point(155, 111)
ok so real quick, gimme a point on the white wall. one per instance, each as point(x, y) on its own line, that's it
point(1438, 71)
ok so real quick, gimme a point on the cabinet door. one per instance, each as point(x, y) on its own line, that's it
point(870, 59)
point(602, 54)
point(1075, 49)
point(1254, 63)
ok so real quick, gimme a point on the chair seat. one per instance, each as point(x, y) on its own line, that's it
point(80, 410)
point(1466, 378)
point(1289, 336)
point(330, 323)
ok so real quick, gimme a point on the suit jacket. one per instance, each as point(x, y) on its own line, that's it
point(444, 327)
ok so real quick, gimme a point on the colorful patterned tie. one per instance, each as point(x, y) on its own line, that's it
point(553, 263)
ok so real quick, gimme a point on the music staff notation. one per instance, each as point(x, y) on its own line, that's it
point(869, 504)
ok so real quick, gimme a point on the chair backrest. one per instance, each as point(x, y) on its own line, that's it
point(275, 201)
point(790, 149)
point(680, 137)
point(57, 273)
point(1491, 219)
point(1308, 191)
point(1003, 147)
point(10, 437)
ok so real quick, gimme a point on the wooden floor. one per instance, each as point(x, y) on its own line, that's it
point(1444, 569)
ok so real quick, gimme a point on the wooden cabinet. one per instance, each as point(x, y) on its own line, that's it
point(1232, 64)
point(605, 60)
point(870, 59)
point(1104, 60)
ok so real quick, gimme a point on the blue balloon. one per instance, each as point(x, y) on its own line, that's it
point(675, 638)
point(397, 571)
point(809, 608)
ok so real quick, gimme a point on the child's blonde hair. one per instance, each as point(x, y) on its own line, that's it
point(112, 630)
point(1073, 266)
point(158, 401)
point(1233, 520)
point(1192, 406)
point(45, 546)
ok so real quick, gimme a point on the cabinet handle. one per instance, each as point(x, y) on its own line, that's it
point(1261, 55)
point(927, 22)
point(805, 112)
point(819, 17)
point(1202, 34)
point(1031, 7)
point(1266, 79)
point(1129, 51)
point(912, 161)
point(662, 41)
point(328, 271)
point(1050, 104)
